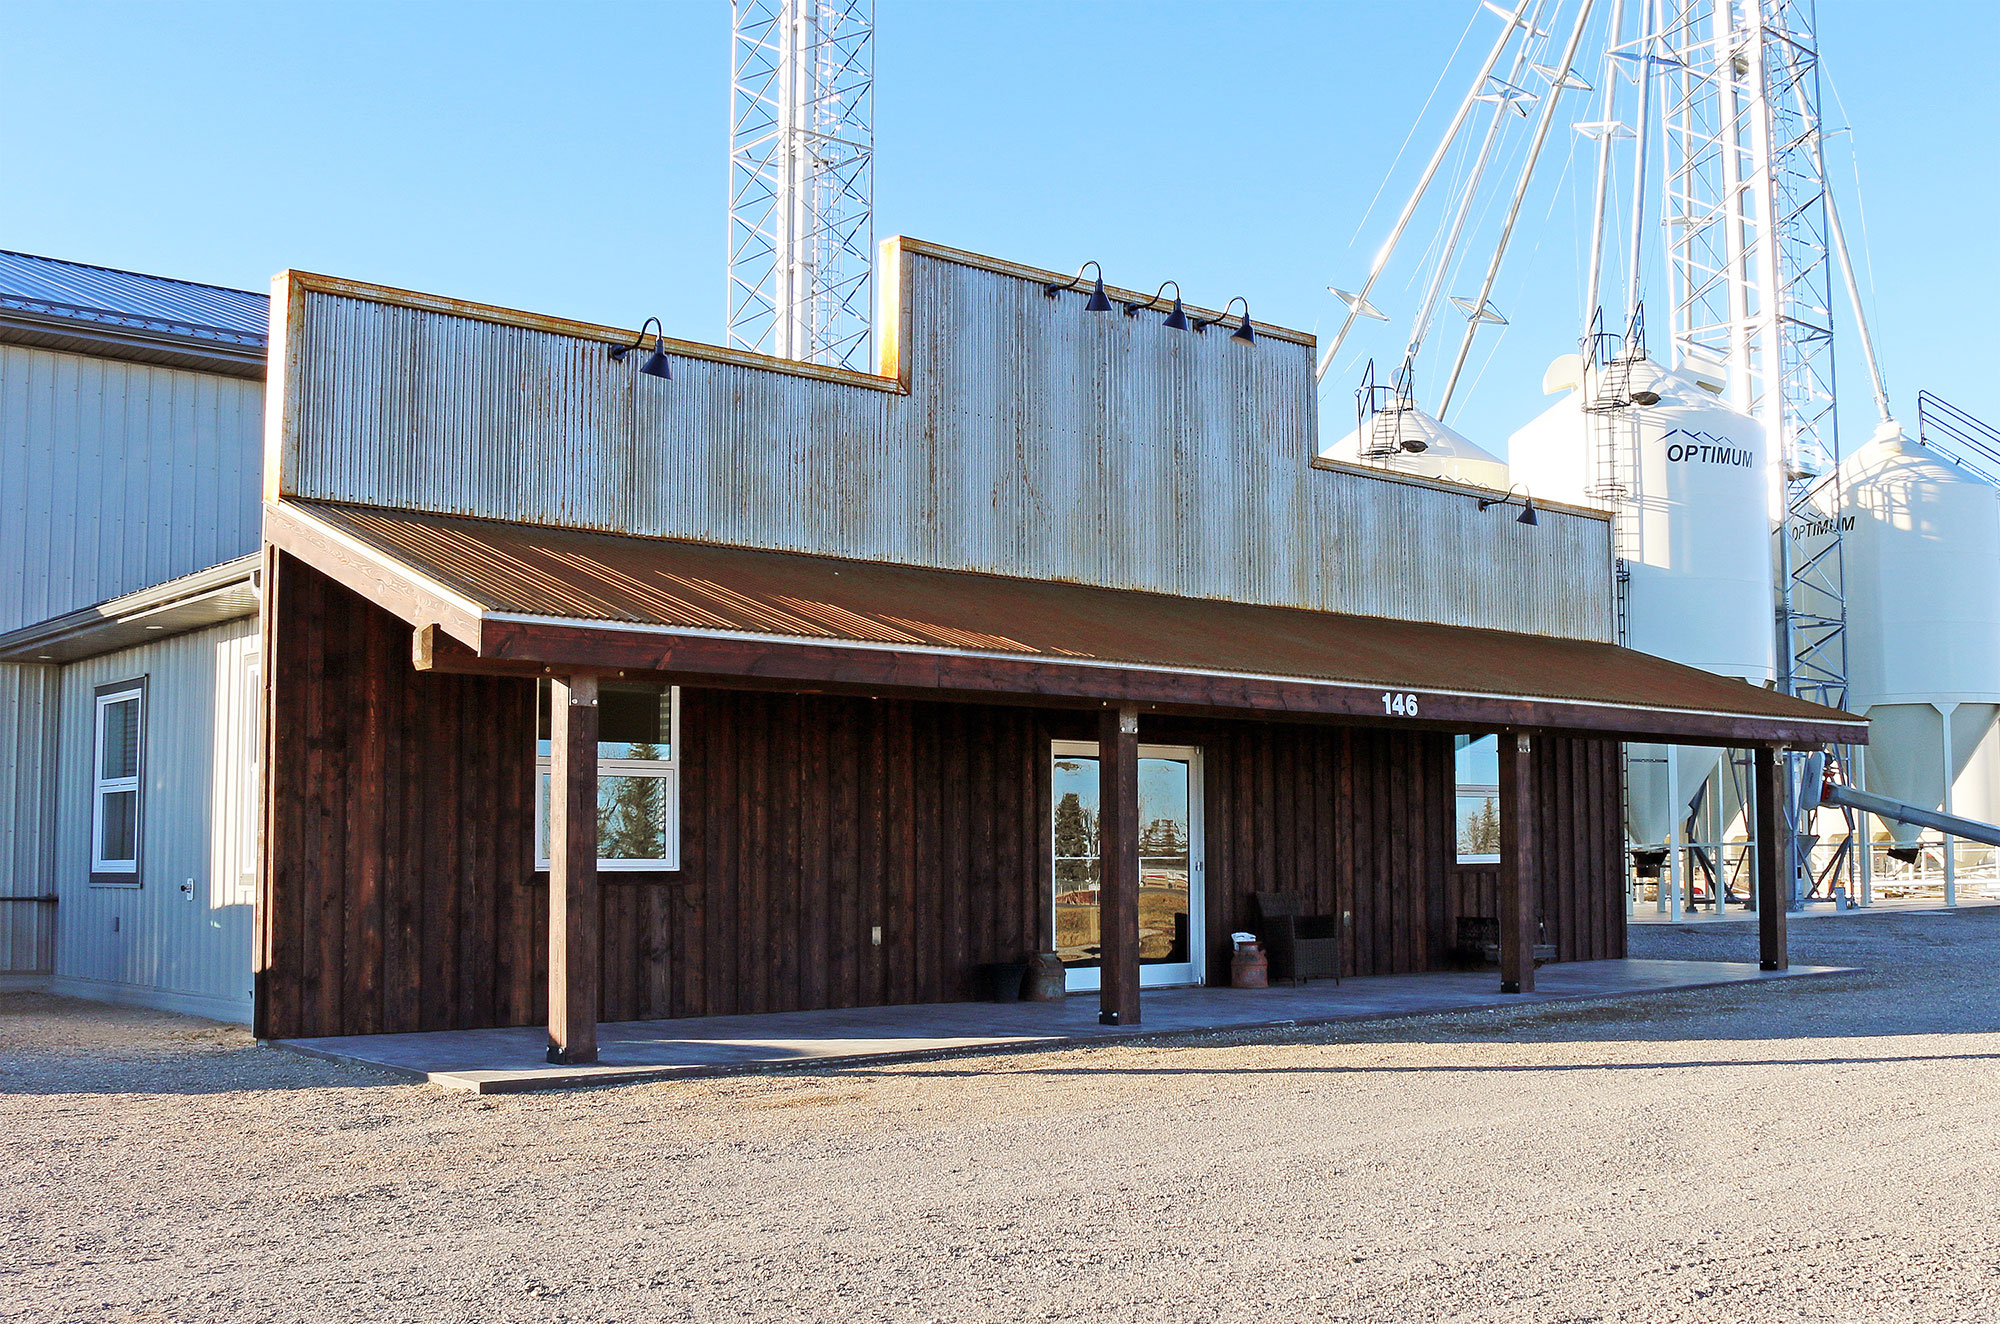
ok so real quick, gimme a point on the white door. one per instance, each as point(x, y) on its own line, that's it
point(1171, 938)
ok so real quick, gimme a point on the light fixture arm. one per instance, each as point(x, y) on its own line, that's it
point(1134, 309)
point(618, 352)
point(1242, 331)
point(1054, 288)
point(1527, 515)
point(1484, 502)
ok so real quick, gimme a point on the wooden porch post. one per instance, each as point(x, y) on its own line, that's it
point(1118, 865)
point(1771, 862)
point(573, 917)
point(1520, 864)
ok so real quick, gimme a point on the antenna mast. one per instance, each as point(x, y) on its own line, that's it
point(802, 179)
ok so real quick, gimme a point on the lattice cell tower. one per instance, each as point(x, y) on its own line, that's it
point(1748, 233)
point(802, 179)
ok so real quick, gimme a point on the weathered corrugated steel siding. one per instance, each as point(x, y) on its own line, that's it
point(27, 783)
point(1036, 440)
point(155, 944)
point(115, 476)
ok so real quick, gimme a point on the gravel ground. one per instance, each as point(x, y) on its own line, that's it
point(1820, 1150)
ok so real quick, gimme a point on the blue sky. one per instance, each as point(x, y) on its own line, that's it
point(571, 158)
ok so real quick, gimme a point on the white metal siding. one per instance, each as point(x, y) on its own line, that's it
point(115, 476)
point(1037, 440)
point(154, 943)
point(27, 785)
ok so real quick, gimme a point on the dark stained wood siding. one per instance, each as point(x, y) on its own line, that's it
point(399, 891)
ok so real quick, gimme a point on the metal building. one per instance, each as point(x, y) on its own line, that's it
point(131, 441)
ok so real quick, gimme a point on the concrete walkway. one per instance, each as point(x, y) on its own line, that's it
point(1647, 911)
point(512, 1060)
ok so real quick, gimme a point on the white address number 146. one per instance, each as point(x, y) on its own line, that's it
point(1399, 705)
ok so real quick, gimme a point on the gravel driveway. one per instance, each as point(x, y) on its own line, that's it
point(1821, 1150)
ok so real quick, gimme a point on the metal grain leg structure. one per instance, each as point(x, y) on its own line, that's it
point(802, 179)
point(1752, 279)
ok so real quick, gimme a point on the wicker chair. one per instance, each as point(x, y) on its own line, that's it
point(1300, 946)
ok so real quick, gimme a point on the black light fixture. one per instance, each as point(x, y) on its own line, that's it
point(1098, 302)
point(1527, 515)
point(1177, 318)
point(656, 362)
point(1242, 331)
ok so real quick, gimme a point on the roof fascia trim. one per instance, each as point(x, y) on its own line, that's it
point(83, 628)
point(383, 580)
point(510, 637)
point(127, 344)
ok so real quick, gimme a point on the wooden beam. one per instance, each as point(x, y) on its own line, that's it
point(1772, 861)
point(376, 576)
point(1118, 865)
point(1520, 864)
point(980, 677)
point(573, 906)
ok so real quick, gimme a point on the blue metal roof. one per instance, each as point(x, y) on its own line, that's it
point(109, 299)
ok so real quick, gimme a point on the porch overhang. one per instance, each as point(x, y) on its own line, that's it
point(486, 596)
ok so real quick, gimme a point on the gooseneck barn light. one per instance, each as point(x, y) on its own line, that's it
point(1527, 515)
point(656, 362)
point(1176, 318)
point(1098, 302)
point(1242, 331)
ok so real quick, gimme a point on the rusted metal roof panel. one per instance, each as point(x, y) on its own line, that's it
point(513, 570)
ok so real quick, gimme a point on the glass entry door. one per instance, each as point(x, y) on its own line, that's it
point(1171, 940)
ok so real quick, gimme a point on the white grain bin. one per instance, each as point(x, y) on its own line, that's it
point(1423, 445)
point(1697, 541)
point(1921, 546)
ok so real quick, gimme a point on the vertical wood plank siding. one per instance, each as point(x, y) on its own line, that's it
point(400, 892)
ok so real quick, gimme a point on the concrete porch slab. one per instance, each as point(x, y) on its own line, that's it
point(512, 1060)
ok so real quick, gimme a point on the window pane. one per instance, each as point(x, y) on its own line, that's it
point(541, 816)
point(1076, 912)
point(1478, 825)
point(120, 753)
point(632, 818)
point(1478, 760)
point(119, 838)
point(634, 721)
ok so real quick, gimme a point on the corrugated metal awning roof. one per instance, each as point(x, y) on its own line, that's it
point(520, 594)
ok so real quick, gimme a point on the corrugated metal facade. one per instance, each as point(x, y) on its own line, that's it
point(116, 476)
point(156, 943)
point(27, 781)
point(1036, 440)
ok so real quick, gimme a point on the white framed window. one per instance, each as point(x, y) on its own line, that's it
point(1476, 770)
point(117, 780)
point(638, 776)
